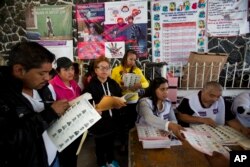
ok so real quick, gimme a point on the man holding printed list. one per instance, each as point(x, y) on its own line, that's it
point(22, 126)
point(207, 107)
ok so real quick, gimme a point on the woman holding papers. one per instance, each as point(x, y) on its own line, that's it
point(65, 87)
point(102, 85)
point(156, 110)
point(131, 79)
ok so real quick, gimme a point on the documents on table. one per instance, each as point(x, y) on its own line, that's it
point(208, 139)
point(152, 137)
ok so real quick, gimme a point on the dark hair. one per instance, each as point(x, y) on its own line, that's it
point(150, 91)
point(90, 69)
point(52, 73)
point(125, 58)
point(63, 62)
point(30, 55)
point(77, 68)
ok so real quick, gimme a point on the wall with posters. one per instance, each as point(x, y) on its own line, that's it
point(13, 29)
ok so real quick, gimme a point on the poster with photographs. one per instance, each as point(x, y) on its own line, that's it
point(178, 28)
point(49, 22)
point(90, 20)
point(110, 28)
point(126, 21)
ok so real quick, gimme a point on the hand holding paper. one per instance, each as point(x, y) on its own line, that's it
point(110, 102)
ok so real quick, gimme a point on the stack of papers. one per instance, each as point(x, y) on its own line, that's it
point(129, 79)
point(152, 137)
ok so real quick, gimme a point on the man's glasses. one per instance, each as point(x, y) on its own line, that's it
point(102, 68)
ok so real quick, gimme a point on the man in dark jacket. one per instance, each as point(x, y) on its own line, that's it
point(21, 128)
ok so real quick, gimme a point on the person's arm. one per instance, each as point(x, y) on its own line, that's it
point(234, 123)
point(195, 119)
point(185, 114)
point(21, 130)
point(145, 111)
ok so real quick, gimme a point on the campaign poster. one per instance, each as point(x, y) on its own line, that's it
point(178, 28)
point(49, 22)
point(90, 20)
point(227, 18)
point(126, 21)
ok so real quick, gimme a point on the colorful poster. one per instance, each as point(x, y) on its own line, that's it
point(127, 22)
point(49, 22)
point(90, 19)
point(227, 18)
point(178, 27)
point(110, 28)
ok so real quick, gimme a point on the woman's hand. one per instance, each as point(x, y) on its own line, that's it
point(136, 87)
point(176, 129)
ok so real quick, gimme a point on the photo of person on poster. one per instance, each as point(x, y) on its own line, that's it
point(136, 38)
point(49, 26)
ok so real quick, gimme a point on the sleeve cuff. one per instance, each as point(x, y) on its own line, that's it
point(166, 125)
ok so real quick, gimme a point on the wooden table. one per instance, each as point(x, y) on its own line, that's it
point(176, 156)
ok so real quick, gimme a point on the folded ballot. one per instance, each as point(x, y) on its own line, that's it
point(129, 79)
point(109, 102)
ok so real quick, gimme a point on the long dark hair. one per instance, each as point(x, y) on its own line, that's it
point(125, 58)
point(150, 91)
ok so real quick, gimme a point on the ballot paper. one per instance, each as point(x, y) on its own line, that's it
point(79, 117)
point(109, 102)
point(153, 138)
point(204, 142)
point(129, 79)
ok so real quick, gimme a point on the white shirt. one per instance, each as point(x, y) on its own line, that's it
point(38, 107)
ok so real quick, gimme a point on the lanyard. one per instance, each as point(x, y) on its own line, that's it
point(109, 94)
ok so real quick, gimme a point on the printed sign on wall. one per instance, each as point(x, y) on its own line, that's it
point(227, 18)
point(178, 27)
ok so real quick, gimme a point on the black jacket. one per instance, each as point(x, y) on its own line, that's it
point(106, 124)
point(21, 128)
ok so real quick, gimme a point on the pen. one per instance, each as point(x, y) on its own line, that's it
point(46, 101)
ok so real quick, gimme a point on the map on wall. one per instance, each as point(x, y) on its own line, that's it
point(178, 28)
point(110, 28)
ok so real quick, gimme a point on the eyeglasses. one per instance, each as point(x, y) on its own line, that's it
point(102, 68)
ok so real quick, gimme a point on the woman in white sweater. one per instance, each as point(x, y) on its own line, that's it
point(156, 110)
